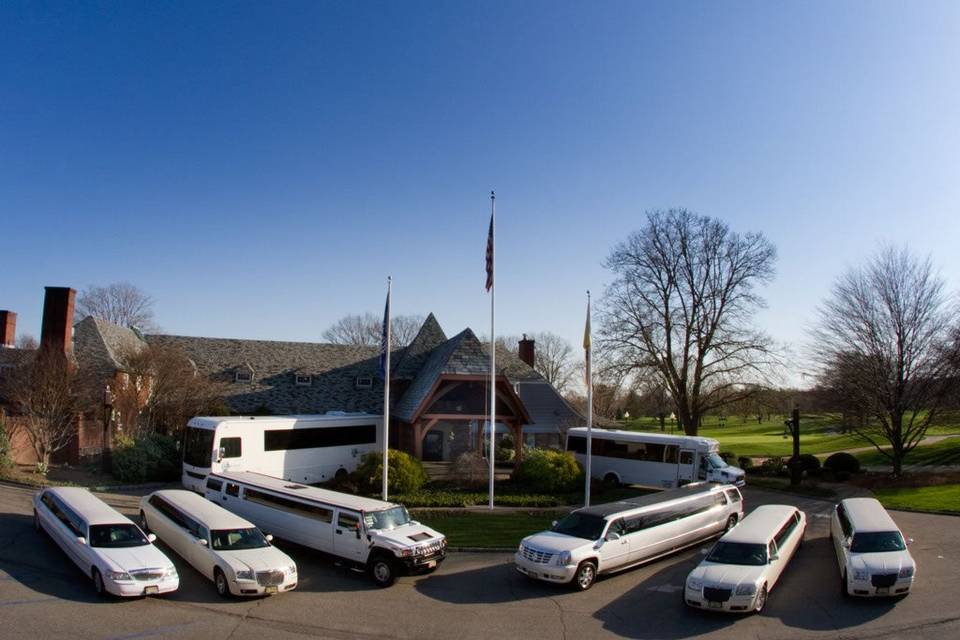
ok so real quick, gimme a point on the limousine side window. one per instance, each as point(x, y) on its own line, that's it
point(71, 520)
point(312, 511)
point(618, 527)
point(233, 489)
point(844, 522)
point(168, 510)
point(785, 532)
point(231, 447)
point(213, 483)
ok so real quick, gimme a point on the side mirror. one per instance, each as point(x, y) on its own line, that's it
point(152, 537)
point(613, 535)
point(553, 524)
point(269, 537)
point(81, 540)
point(774, 558)
point(909, 541)
point(846, 543)
point(202, 542)
point(220, 453)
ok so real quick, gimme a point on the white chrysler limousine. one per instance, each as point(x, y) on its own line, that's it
point(107, 546)
point(745, 564)
point(611, 537)
point(220, 545)
point(871, 551)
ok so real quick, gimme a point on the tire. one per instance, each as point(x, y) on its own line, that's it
point(731, 523)
point(220, 582)
point(843, 585)
point(382, 571)
point(761, 600)
point(610, 480)
point(36, 521)
point(585, 576)
point(98, 585)
point(143, 522)
point(341, 475)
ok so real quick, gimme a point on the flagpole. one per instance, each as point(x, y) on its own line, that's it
point(386, 393)
point(493, 343)
point(589, 349)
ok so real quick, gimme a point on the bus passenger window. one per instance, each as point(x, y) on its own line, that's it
point(686, 457)
point(231, 447)
point(233, 489)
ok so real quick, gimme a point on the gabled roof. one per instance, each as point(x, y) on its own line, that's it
point(547, 408)
point(428, 338)
point(99, 347)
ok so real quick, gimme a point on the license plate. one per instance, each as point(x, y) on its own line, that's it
point(270, 589)
point(715, 605)
point(431, 564)
point(882, 591)
point(151, 591)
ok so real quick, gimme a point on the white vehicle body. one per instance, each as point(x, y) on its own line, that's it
point(106, 545)
point(871, 550)
point(611, 537)
point(306, 449)
point(745, 564)
point(222, 546)
point(652, 459)
point(375, 535)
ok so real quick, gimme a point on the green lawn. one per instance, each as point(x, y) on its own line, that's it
point(944, 497)
point(940, 453)
point(486, 530)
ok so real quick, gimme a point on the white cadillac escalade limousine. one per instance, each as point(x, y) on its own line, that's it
point(612, 537)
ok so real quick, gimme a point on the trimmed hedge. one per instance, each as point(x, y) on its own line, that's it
point(407, 474)
point(808, 462)
point(842, 462)
point(455, 499)
point(745, 462)
point(152, 458)
point(549, 471)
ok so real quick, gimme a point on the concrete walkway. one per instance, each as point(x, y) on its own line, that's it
point(925, 442)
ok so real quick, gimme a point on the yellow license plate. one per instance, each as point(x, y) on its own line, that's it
point(715, 605)
point(151, 591)
point(270, 589)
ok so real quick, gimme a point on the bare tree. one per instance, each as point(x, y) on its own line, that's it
point(680, 309)
point(356, 329)
point(553, 359)
point(27, 341)
point(121, 303)
point(883, 341)
point(47, 395)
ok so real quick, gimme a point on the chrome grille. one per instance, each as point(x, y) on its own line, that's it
point(269, 578)
point(431, 549)
point(535, 555)
point(144, 575)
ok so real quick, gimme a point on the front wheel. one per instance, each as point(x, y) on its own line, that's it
point(585, 576)
point(36, 520)
point(731, 523)
point(98, 585)
point(220, 581)
point(382, 571)
point(761, 599)
point(611, 481)
point(843, 584)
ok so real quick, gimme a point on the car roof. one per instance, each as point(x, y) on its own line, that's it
point(651, 499)
point(760, 526)
point(209, 514)
point(305, 492)
point(88, 506)
point(867, 514)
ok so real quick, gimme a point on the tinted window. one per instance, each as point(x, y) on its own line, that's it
point(234, 489)
point(733, 495)
point(198, 447)
point(877, 542)
point(237, 539)
point(216, 485)
point(671, 454)
point(618, 526)
point(112, 536)
point(844, 523)
point(349, 521)
point(785, 532)
point(287, 439)
point(311, 511)
point(581, 525)
point(738, 553)
point(686, 457)
point(231, 447)
point(576, 444)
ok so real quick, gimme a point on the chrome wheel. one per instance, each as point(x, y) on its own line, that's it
point(223, 589)
point(586, 574)
point(382, 572)
point(731, 523)
point(761, 599)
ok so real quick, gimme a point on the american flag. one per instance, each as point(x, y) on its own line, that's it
point(490, 255)
point(384, 339)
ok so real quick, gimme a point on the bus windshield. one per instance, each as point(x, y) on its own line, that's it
point(387, 519)
point(198, 447)
point(716, 461)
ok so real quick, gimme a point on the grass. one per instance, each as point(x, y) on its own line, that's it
point(940, 453)
point(481, 530)
point(945, 497)
point(783, 484)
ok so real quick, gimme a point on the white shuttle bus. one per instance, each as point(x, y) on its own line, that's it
point(652, 459)
point(306, 449)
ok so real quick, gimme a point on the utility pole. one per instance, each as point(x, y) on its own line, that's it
point(795, 467)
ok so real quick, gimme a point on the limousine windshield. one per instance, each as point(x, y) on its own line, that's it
point(877, 542)
point(387, 519)
point(237, 539)
point(581, 525)
point(113, 536)
point(738, 553)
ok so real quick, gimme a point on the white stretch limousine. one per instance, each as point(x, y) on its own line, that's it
point(746, 563)
point(222, 546)
point(371, 534)
point(610, 537)
point(107, 546)
point(871, 551)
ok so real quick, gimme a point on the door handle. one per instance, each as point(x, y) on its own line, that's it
point(339, 532)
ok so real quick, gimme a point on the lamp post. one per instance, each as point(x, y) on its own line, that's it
point(105, 461)
point(793, 424)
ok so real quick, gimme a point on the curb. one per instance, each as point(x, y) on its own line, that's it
point(934, 513)
point(149, 486)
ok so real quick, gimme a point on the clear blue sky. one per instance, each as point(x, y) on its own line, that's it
point(259, 168)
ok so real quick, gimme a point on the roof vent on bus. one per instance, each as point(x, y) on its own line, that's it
point(294, 486)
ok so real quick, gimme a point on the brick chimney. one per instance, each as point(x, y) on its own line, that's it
point(8, 329)
point(527, 350)
point(56, 332)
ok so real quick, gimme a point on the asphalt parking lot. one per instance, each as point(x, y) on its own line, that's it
point(474, 595)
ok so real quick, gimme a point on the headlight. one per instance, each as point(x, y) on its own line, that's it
point(119, 576)
point(170, 572)
point(246, 575)
point(563, 558)
point(404, 553)
point(746, 589)
point(861, 574)
point(520, 548)
point(694, 585)
point(906, 572)
point(292, 569)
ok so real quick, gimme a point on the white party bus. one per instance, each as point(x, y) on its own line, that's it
point(652, 459)
point(307, 449)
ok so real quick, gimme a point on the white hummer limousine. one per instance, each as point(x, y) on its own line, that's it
point(611, 537)
point(370, 534)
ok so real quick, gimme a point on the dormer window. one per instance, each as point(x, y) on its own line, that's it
point(364, 382)
point(304, 381)
point(243, 376)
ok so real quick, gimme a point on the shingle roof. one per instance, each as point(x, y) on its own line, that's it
point(99, 347)
point(413, 357)
point(547, 408)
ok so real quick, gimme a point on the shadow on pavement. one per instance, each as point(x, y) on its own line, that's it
point(490, 584)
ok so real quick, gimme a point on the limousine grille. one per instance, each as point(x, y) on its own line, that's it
point(145, 575)
point(716, 595)
point(535, 555)
point(431, 549)
point(269, 578)
point(883, 580)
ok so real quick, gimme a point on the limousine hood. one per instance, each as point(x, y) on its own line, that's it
point(407, 535)
point(556, 542)
point(134, 558)
point(263, 559)
point(728, 576)
point(889, 562)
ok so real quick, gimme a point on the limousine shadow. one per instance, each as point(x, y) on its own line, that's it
point(490, 584)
